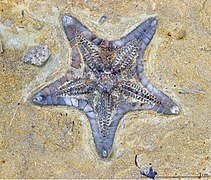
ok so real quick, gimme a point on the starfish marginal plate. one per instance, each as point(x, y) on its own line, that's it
point(112, 83)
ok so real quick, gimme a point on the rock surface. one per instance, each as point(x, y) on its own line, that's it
point(1, 46)
point(56, 142)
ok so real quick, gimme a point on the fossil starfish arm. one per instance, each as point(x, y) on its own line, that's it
point(108, 122)
point(59, 92)
point(104, 112)
point(91, 55)
point(152, 101)
point(105, 122)
point(167, 105)
point(76, 87)
point(73, 26)
point(130, 45)
point(144, 32)
point(104, 109)
point(77, 33)
point(126, 56)
point(106, 145)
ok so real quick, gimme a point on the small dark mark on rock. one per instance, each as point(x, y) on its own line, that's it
point(72, 126)
point(22, 12)
point(102, 19)
point(169, 34)
point(183, 92)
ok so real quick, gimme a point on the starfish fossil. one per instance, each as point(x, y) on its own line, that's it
point(112, 83)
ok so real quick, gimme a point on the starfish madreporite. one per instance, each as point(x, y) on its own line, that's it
point(113, 81)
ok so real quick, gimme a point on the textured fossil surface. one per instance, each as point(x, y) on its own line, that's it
point(113, 81)
point(56, 141)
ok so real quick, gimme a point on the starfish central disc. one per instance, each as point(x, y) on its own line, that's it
point(106, 82)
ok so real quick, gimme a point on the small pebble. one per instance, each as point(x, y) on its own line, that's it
point(37, 55)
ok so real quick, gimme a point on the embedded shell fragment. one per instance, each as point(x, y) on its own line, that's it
point(37, 55)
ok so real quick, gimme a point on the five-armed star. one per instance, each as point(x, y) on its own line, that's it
point(112, 83)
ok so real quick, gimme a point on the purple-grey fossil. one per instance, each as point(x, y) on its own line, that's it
point(112, 83)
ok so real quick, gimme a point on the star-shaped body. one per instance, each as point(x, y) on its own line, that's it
point(113, 82)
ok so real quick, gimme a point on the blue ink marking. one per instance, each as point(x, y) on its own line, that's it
point(150, 174)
